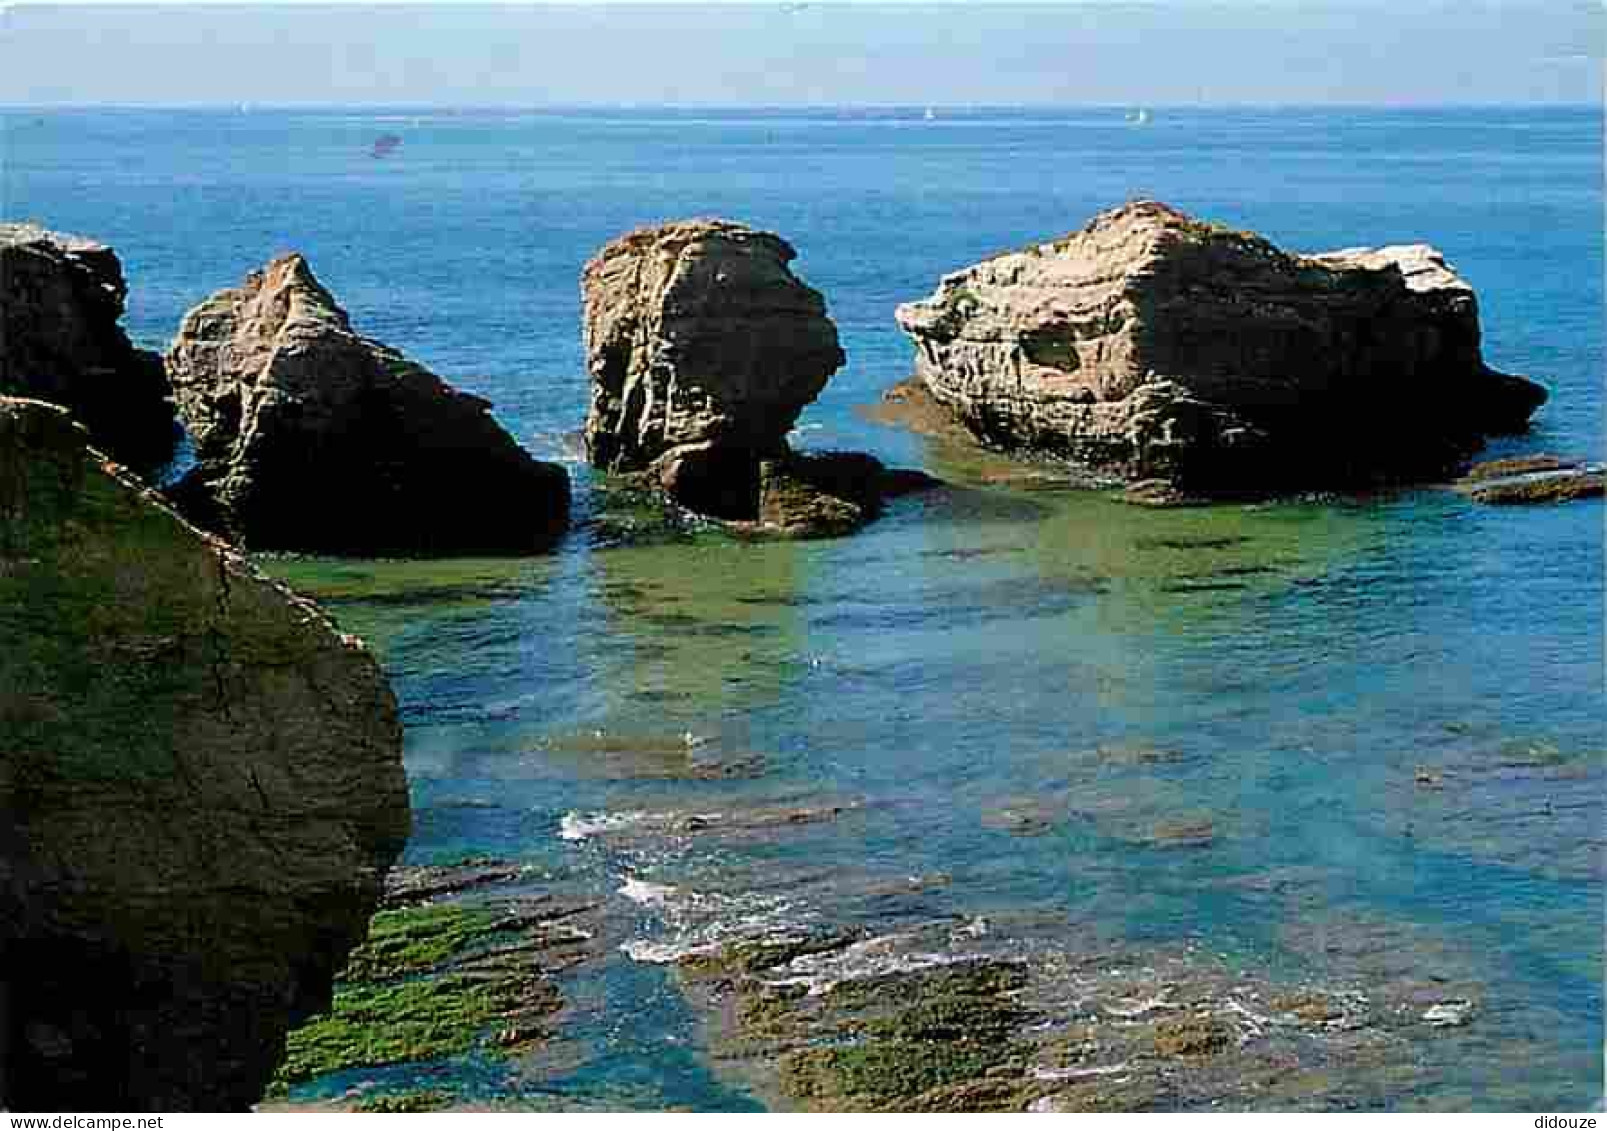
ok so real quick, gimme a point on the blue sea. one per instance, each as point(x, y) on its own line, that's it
point(1303, 668)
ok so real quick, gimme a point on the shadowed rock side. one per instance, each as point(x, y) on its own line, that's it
point(1151, 345)
point(703, 348)
point(309, 436)
point(201, 789)
point(61, 297)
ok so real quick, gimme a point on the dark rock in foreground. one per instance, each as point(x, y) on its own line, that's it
point(201, 788)
point(828, 493)
point(1151, 345)
point(312, 437)
point(61, 297)
point(703, 348)
point(1532, 479)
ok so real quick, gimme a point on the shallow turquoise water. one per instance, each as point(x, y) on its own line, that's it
point(990, 651)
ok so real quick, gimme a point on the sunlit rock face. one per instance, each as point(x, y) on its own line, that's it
point(1150, 345)
point(309, 436)
point(703, 347)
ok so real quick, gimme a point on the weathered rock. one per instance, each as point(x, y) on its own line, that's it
point(1533, 479)
point(201, 788)
point(703, 348)
point(61, 297)
point(828, 493)
point(309, 436)
point(1516, 465)
point(1150, 345)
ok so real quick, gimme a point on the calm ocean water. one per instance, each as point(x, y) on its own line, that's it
point(1298, 661)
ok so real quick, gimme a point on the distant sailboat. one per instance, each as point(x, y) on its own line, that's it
point(931, 114)
point(1140, 118)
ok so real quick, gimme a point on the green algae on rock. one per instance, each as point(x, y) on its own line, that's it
point(200, 791)
point(404, 1103)
point(943, 1019)
point(473, 974)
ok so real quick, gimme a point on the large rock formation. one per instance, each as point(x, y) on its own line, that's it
point(309, 436)
point(1150, 345)
point(61, 297)
point(703, 348)
point(201, 788)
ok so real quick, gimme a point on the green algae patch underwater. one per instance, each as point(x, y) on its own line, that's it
point(956, 1032)
point(442, 980)
point(371, 1025)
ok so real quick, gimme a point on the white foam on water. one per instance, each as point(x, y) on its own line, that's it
point(870, 958)
point(645, 893)
point(699, 923)
point(575, 827)
point(665, 953)
point(1041, 1073)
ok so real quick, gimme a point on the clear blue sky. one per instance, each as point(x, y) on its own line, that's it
point(1171, 51)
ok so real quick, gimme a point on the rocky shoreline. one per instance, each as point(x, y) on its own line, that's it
point(205, 800)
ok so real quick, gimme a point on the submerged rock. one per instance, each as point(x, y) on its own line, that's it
point(462, 963)
point(826, 493)
point(1532, 479)
point(311, 437)
point(61, 297)
point(931, 1018)
point(1152, 346)
point(201, 788)
point(703, 348)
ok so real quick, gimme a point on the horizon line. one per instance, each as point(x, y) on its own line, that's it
point(1337, 104)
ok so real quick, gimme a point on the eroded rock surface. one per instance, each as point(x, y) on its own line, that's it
point(61, 298)
point(1527, 480)
point(703, 348)
point(201, 788)
point(1152, 346)
point(311, 437)
point(700, 341)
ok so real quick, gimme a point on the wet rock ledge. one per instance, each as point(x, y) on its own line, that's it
point(309, 436)
point(1525, 480)
point(201, 789)
point(463, 962)
point(1154, 347)
point(703, 348)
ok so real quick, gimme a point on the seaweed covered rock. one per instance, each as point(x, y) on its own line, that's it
point(309, 436)
point(1526, 480)
point(462, 962)
point(1152, 346)
point(201, 789)
point(703, 347)
point(61, 298)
